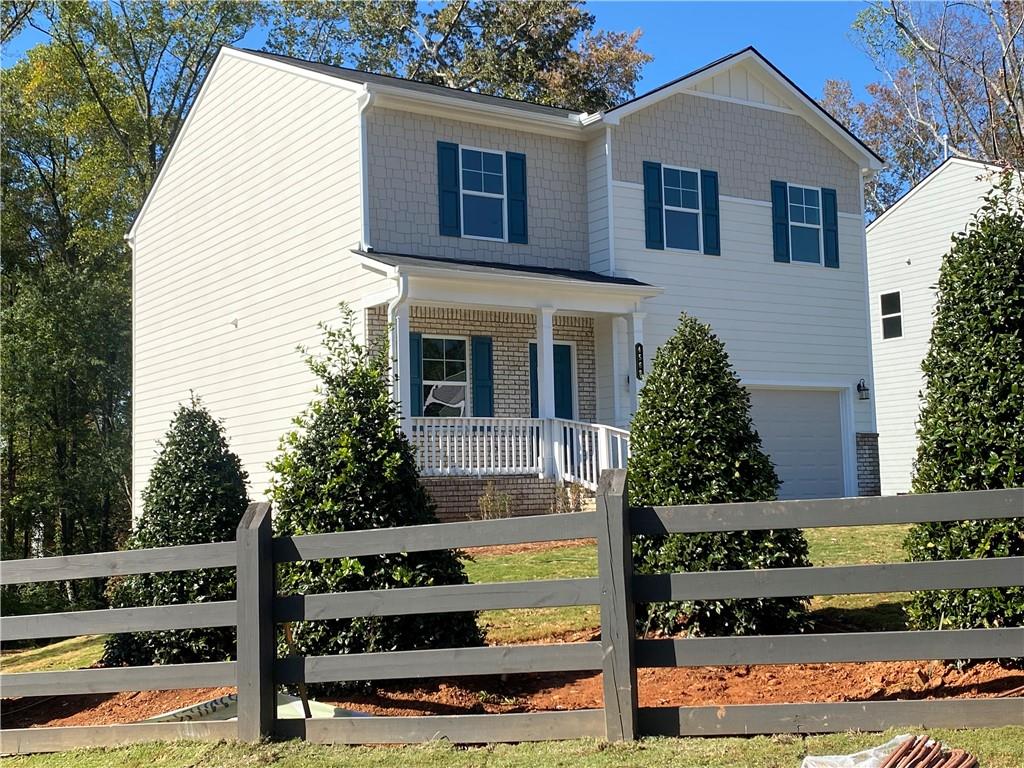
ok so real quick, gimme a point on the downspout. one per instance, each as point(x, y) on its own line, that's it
point(363, 102)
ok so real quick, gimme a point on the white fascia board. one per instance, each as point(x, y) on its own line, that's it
point(337, 82)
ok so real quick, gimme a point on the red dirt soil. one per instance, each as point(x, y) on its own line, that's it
point(526, 693)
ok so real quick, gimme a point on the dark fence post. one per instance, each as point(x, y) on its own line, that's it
point(255, 643)
point(618, 625)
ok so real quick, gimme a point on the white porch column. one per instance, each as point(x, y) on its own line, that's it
point(401, 365)
point(620, 369)
point(546, 383)
point(635, 334)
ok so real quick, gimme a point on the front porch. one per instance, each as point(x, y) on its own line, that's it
point(505, 372)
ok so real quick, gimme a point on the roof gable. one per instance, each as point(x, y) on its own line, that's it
point(747, 77)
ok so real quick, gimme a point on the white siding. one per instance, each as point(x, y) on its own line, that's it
point(782, 324)
point(253, 220)
point(905, 251)
point(597, 205)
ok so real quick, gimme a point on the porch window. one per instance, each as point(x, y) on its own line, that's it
point(444, 376)
point(483, 193)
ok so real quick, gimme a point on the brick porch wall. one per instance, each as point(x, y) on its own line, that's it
point(868, 478)
point(511, 333)
point(458, 498)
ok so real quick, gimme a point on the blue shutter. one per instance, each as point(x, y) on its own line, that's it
point(448, 188)
point(534, 409)
point(483, 376)
point(709, 212)
point(416, 373)
point(830, 227)
point(515, 186)
point(653, 215)
point(780, 220)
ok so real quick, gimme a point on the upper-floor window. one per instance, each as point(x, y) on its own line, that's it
point(682, 208)
point(805, 224)
point(483, 193)
point(892, 315)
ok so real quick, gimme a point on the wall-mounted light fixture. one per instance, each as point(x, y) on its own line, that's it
point(863, 393)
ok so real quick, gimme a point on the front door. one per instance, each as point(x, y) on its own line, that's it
point(563, 381)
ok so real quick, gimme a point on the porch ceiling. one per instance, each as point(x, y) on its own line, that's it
point(478, 283)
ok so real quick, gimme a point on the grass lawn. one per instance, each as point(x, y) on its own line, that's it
point(994, 748)
point(828, 546)
point(74, 653)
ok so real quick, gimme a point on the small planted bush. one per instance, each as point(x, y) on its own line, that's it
point(692, 442)
point(195, 495)
point(346, 467)
point(971, 430)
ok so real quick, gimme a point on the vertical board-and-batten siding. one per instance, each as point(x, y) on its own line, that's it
point(905, 251)
point(252, 221)
point(402, 188)
point(786, 324)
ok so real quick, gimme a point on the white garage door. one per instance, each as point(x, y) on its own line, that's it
point(802, 432)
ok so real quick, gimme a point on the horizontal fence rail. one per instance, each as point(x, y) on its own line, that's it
point(616, 590)
point(104, 564)
point(829, 513)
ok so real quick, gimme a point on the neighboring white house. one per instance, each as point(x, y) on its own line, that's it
point(474, 227)
point(906, 245)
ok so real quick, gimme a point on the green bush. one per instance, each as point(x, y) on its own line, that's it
point(692, 442)
point(971, 430)
point(349, 467)
point(196, 495)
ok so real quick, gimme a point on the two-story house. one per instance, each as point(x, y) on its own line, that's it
point(906, 245)
point(526, 261)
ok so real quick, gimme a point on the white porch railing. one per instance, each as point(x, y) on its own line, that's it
point(479, 446)
point(570, 451)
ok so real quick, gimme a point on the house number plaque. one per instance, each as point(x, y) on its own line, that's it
point(639, 361)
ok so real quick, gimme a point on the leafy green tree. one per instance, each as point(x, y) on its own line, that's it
point(971, 430)
point(692, 442)
point(348, 467)
point(545, 51)
point(195, 495)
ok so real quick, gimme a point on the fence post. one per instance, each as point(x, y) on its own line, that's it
point(255, 641)
point(618, 625)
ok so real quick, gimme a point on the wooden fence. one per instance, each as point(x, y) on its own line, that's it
point(258, 608)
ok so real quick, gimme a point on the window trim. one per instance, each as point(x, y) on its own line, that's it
point(665, 207)
point(882, 317)
point(468, 408)
point(503, 196)
point(820, 226)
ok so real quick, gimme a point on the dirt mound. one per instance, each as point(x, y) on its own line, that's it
point(529, 693)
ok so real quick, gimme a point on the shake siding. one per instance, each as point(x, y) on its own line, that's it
point(918, 231)
point(253, 220)
point(402, 163)
point(781, 323)
point(597, 205)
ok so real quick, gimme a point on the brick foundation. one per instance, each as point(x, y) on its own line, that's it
point(868, 478)
point(458, 498)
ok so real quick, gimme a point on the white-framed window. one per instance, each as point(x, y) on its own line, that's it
point(892, 315)
point(482, 194)
point(681, 204)
point(445, 387)
point(805, 224)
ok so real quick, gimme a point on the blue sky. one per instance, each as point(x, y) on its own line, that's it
point(809, 41)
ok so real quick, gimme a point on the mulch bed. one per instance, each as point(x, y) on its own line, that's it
point(766, 684)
